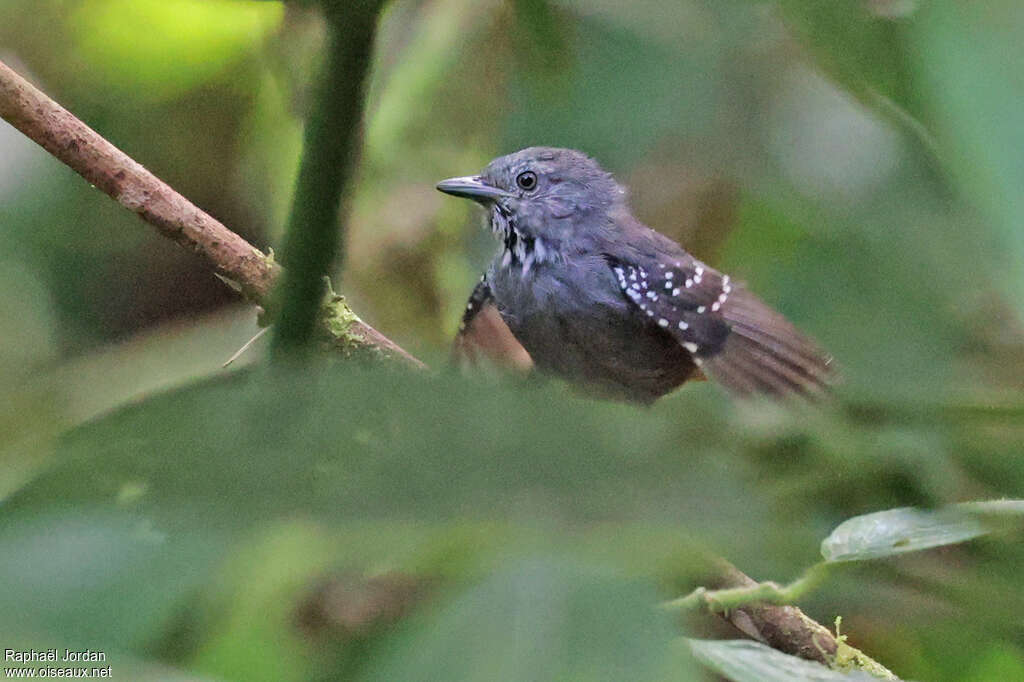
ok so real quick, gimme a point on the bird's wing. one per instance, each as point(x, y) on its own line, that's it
point(483, 335)
point(731, 335)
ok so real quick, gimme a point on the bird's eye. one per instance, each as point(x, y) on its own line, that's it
point(527, 180)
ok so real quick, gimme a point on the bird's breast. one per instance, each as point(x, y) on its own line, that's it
point(572, 319)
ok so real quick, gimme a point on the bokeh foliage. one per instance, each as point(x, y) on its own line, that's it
point(857, 162)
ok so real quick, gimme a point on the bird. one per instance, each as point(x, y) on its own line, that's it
point(613, 307)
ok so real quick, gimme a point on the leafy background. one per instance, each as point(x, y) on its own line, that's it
point(858, 163)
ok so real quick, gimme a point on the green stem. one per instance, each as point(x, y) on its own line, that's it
point(315, 238)
point(719, 601)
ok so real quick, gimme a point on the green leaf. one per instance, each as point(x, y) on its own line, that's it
point(540, 619)
point(69, 574)
point(340, 447)
point(907, 529)
point(344, 445)
point(745, 661)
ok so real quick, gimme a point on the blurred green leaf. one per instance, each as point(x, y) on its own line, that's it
point(68, 575)
point(746, 661)
point(345, 443)
point(538, 620)
point(898, 531)
point(341, 445)
point(969, 59)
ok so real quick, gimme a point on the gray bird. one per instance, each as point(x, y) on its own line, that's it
point(610, 305)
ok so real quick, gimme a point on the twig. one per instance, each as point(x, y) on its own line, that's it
point(782, 627)
point(105, 166)
point(722, 600)
point(245, 346)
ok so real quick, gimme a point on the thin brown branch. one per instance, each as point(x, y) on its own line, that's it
point(105, 166)
point(787, 628)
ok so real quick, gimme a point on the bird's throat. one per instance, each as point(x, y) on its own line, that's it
point(519, 248)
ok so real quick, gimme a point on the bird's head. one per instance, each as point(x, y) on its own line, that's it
point(558, 197)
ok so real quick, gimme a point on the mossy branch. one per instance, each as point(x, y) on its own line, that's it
point(115, 173)
point(762, 612)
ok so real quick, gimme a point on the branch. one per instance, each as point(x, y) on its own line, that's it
point(781, 627)
point(105, 166)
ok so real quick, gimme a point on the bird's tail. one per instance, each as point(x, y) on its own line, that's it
point(765, 354)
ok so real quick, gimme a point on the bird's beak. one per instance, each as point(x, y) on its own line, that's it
point(471, 187)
